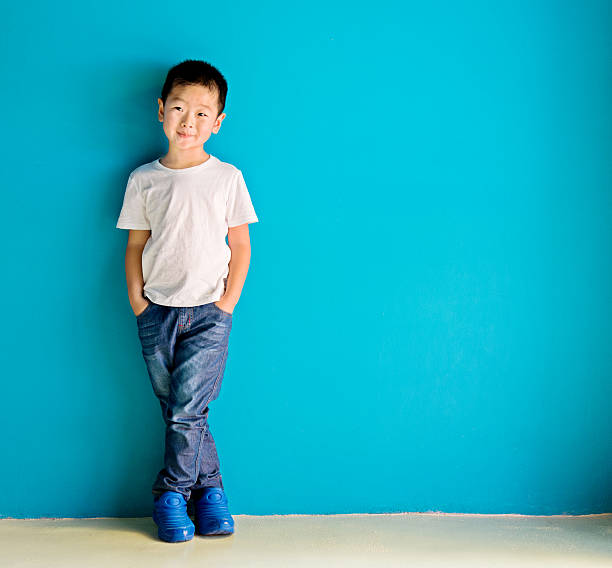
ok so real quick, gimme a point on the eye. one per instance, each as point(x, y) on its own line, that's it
point(177, 108)
point(202, 114)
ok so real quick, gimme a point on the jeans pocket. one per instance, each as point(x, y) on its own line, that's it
point(220, 310)
point(145, 310)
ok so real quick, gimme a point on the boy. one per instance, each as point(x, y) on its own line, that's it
point(183, 284)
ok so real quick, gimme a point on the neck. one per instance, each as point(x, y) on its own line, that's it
point(179, 160)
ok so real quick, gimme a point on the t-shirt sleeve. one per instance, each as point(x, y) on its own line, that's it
point(240, 209)
point(133, 214)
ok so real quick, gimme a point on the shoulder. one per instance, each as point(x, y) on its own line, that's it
point(230, 170)
point(144, 169)
point(144, 176)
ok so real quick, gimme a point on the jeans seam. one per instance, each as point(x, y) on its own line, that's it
point(218, 375)
point(197, 458)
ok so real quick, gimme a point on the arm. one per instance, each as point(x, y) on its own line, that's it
point(133, 269)
point(240, 245)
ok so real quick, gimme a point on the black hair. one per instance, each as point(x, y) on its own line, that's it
point(196, 72)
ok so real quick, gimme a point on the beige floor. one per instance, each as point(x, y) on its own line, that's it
point(408, 539)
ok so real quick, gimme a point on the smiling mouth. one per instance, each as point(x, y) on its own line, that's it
point(184, 135)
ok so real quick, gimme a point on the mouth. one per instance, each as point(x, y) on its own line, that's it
point(181, 135)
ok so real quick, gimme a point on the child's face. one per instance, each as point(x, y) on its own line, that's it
point(190, 116)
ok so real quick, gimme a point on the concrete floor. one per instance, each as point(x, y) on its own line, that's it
point(406, 539)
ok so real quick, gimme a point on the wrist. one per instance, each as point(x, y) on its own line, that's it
point(137, 298)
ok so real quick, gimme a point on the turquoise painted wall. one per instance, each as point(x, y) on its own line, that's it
point(426, 322)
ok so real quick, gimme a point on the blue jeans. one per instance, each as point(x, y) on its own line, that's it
point(185, 350)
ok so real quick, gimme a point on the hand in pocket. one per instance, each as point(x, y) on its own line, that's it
point(146, 305)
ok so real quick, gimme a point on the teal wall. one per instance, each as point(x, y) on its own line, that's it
point(426, 322)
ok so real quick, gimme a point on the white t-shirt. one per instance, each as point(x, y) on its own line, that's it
point(185, 262)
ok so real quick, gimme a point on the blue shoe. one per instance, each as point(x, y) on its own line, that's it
point(212, 515)
point(170, 516)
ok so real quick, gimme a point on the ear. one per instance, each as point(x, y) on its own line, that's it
point(160, 114)
point(218, 122)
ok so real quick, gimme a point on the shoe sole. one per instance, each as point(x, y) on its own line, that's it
point(216, 532)
point(177, 535)
point(214, 527)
